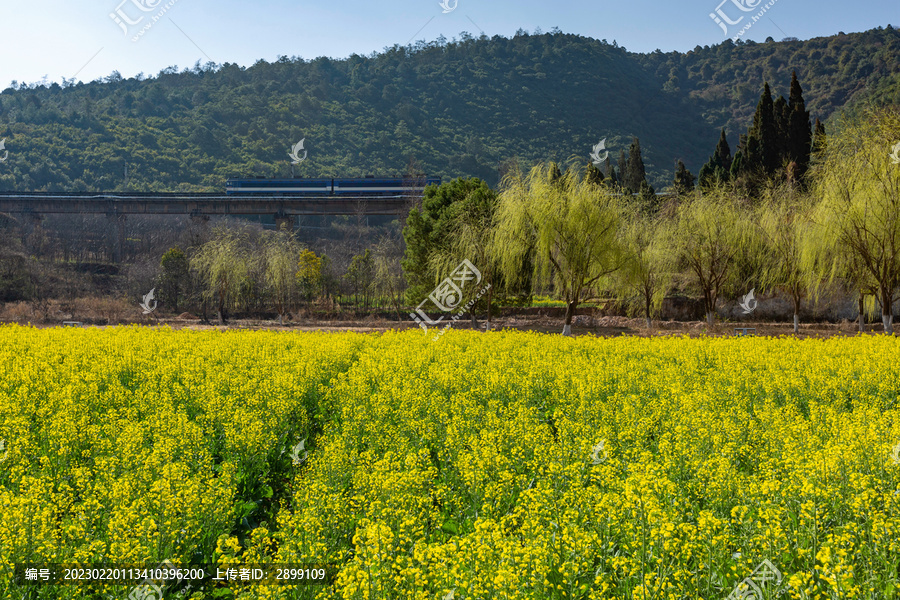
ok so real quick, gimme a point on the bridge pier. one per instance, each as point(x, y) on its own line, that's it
point(117, 237)
point(35, 239)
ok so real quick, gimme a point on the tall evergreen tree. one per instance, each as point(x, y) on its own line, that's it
point(739, 165)
point(635, 175)
point(762, 142)
point(718, 168)
point(684, 180)
point(723, 153)
point(782, 131)
point(611, 179)
point(800, 134)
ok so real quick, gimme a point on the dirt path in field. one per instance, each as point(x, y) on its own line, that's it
point(584, 325)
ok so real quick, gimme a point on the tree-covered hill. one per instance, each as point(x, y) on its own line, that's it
point(461, 108)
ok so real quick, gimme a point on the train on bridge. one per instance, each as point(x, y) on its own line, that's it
point(367, 186)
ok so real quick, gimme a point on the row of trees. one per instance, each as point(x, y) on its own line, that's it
point(778, 144)
point(585, 240)
point(245, 268)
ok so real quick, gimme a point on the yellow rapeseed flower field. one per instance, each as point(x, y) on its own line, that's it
point(479, 466)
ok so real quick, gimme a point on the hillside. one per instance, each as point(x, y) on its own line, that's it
point(451, 108)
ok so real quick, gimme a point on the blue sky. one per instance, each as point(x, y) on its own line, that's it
point(60, 39)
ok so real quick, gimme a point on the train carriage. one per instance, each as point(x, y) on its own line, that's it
point(366, 186)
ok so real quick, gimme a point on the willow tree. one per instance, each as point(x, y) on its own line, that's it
point(281, 253)
point(783, 225)
point(708, 239)
point(567, 226)
point(223, 264)
point(647, 276)
point(857, 221)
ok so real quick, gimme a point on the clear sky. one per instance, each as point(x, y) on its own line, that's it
point(60, 39)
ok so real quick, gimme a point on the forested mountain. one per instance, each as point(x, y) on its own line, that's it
point(460, 108)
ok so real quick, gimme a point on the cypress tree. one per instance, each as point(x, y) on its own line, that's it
point(635, 175)
point(707, 174)
point(737, 165)
point(723, 153)
point(800, 134)
point(684, 180)
point(782, 131)
point(611, 179)
point(717, 169)
point(762, 143)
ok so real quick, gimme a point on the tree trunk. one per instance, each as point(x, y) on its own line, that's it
point(280, 319)
point(474, 319)
point(887, 311)
point(649, 323)
point(710, 318)
point(490, 295)
point(796, 323)
point(570, 312)
point(797, 313)
point(221, 314)
point(862, 317)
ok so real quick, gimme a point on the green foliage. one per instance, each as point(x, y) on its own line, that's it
point(857, 235)
point(648, 275)
point(708, 238)
point(763, 141)
point(280, 256)
point(684, 180)
point(784, 227)
point(635, 175)
point(717, 170)
point(223, 264)
point(175, 277)
point(567, 227)
point(429, 231)
point(449, 105)
point(361, 275)
point(309, 274)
